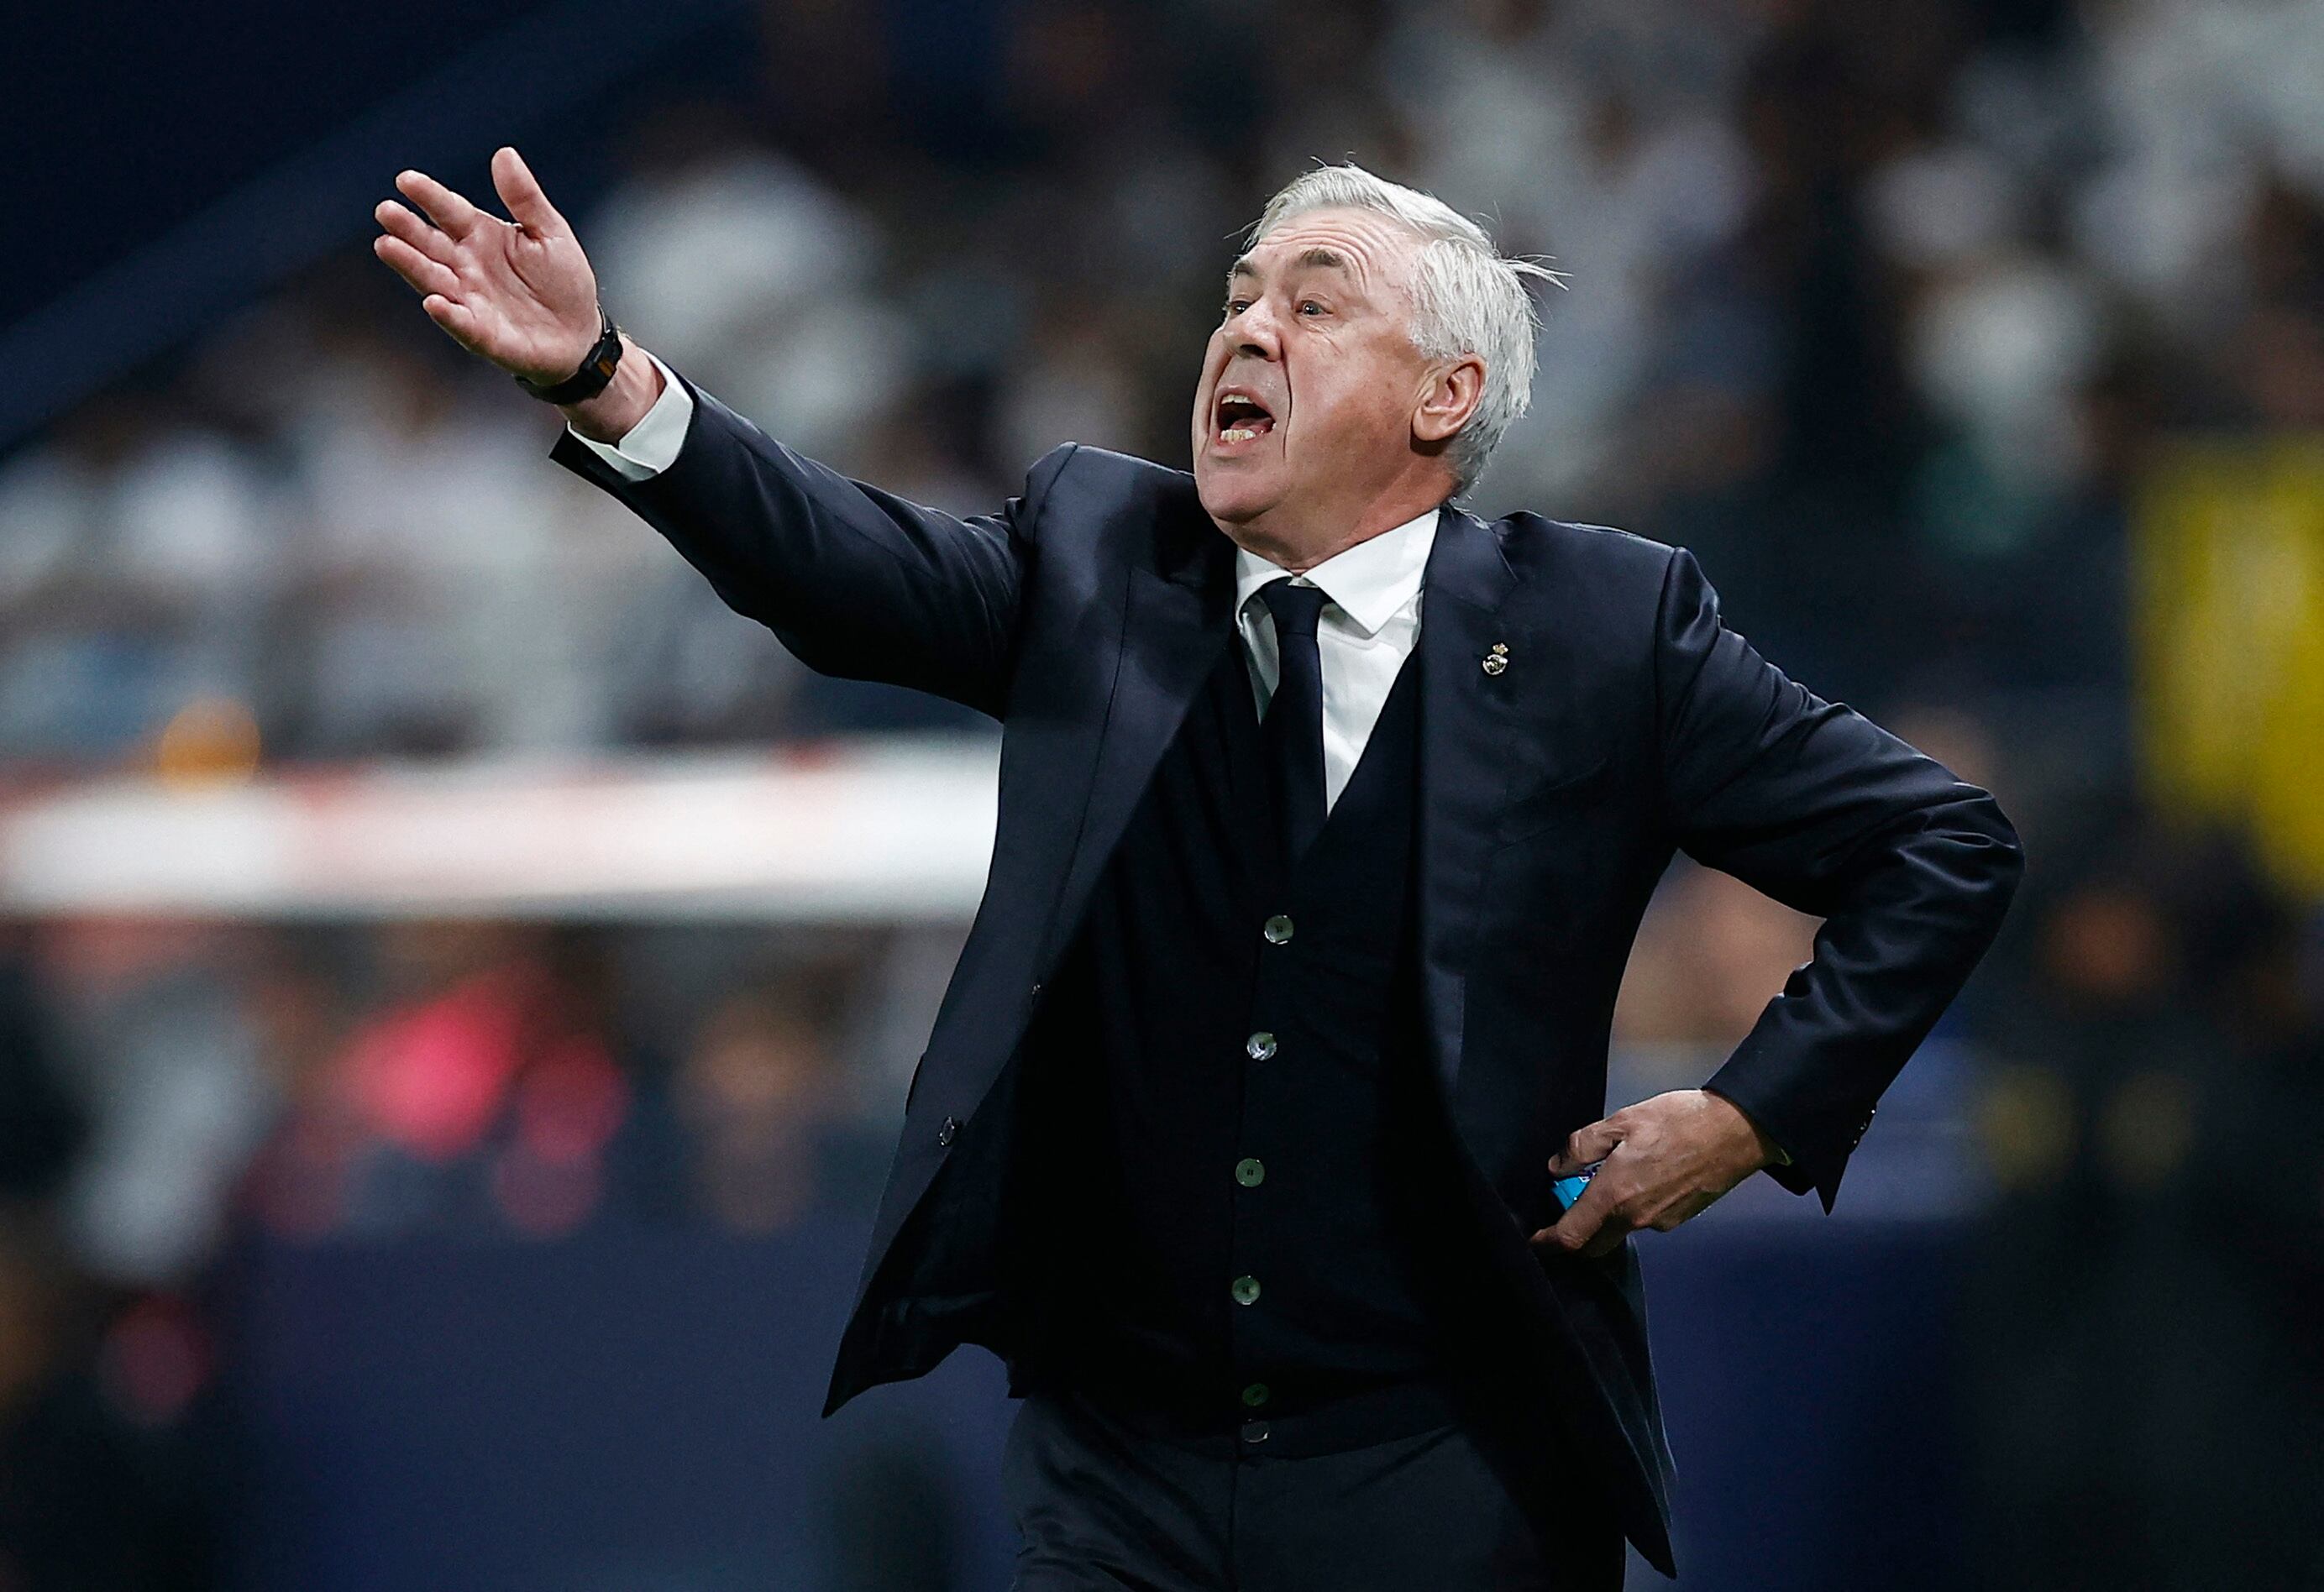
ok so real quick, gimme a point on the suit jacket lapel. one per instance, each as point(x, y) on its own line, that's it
point(1178, 615)
point(1464, 769)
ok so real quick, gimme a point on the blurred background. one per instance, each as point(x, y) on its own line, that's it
point(459, 982)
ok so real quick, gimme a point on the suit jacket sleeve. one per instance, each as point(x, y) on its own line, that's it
point(857, 581)
point(1812, 803)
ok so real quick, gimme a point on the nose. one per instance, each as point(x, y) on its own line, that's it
point(1255, 331)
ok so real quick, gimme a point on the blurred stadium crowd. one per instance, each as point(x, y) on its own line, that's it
point(1882, 309)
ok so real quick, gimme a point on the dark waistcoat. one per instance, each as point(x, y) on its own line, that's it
point(1239, 1200)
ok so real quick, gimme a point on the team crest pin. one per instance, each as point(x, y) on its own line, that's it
point(1498, 659)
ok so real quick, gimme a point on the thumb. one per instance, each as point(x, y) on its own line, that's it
point(1586, 1144)
point(521, 191)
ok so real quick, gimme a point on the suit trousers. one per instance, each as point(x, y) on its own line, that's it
point(1103, 1503)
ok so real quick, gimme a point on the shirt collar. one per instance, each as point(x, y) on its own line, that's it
point(1369, 581)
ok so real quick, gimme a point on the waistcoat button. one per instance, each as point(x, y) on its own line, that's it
point(1259, 1045)
point(944, 1134)
point(1245, 1290)
point(1278, 929)
point(1250, 1172)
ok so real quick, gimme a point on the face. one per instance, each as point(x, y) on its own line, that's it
point(1314, 405)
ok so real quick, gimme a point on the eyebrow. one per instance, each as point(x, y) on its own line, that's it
point(1315, 254)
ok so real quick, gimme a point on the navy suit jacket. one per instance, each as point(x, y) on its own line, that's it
point(1627, 723)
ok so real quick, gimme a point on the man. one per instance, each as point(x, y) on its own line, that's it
point(1328, 813)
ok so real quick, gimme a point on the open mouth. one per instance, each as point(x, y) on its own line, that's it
point(1239, 418)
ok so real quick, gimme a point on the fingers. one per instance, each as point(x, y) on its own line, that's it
point(401, 223)
point(1631, 1192)
point(1591, 1224)
point(424, 274)
point(521, 193)
point(1593, 1143)
point(445, 209)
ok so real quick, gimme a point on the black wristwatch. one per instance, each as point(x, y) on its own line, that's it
point(596, 370)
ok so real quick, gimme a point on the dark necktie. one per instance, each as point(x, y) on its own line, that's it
point(1294, 716)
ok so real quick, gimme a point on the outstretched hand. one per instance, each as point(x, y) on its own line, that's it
point(1665, 1159)
point(519, 293)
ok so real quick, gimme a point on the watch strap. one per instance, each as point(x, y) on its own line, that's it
point(595, 371)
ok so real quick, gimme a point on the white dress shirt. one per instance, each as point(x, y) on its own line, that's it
point(1369, 625)
point(650, 446)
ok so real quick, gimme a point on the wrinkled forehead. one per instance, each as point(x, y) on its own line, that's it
point(1372, 253)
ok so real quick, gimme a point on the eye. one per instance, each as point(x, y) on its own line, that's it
point(1308, 305)
point(1236, 306)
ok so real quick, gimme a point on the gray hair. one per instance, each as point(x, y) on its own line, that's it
point(1467, 297)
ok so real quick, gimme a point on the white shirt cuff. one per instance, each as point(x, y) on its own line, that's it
point(650, 446)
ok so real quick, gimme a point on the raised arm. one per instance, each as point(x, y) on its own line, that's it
point(856, 581)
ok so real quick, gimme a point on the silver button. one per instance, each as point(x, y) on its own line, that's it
point(1278, 929)
point(1245, 1290)
point(944, 1134)
point(1250, 1172)
point(1259, 1045)
point(1255, 1394)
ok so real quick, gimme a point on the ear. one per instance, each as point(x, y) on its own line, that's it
point(1451, 397)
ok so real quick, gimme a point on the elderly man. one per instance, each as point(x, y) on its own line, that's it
point(1328, 812)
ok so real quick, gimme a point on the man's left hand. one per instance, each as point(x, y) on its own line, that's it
point(1664, 1159)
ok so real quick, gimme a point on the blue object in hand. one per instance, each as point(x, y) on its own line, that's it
point(1569, 1189)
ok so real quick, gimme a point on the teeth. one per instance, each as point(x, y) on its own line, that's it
point(1237, 435)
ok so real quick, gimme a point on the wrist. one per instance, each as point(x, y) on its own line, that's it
point(1764, 1151)
point(614, 412)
